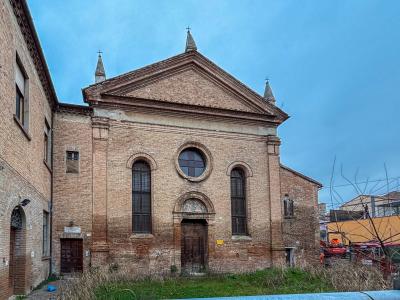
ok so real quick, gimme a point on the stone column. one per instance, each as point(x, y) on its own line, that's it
point(100, 248)
point(277, 247)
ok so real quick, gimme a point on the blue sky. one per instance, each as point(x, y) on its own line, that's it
point(333, 65)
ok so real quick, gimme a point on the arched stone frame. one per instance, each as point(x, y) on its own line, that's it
point(194, 195)
point(207, 156)
point(141, 156)
point(248, 172)
point(179, 215)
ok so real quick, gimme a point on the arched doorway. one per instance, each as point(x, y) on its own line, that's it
point(194, 246)
point(194, 237)
point(193, 217)
point(17, 259)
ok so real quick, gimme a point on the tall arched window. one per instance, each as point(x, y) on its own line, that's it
point(238, 202)
point(141, 197)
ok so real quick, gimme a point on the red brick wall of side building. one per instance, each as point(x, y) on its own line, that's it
point(72, 203)
point(301, 232)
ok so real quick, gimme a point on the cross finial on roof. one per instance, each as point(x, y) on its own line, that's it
point(100, 52)
point(100, 74)
point(190, 43)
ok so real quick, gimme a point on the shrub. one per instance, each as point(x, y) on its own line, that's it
point(345, 276)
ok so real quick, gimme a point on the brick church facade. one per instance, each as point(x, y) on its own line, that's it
point(174, 166)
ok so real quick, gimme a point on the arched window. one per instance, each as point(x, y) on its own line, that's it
point(238, 202)
point(141, 197)
point(288, 207)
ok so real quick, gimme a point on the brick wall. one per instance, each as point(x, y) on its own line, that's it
point(13, 189)
point(162, 145)
point(23, 174)
point(301, 231)
point(72, 192)
point(115, 144)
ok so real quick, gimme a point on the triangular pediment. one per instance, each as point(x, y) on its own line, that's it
point(186, 79)
point(188, 86)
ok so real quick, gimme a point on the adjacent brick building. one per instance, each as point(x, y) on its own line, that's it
point(174, 166)
point(27, 103)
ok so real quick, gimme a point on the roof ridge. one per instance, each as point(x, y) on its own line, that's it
point(302, 175)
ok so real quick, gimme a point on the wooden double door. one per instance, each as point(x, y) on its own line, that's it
point(71, 255)
point(194, 246)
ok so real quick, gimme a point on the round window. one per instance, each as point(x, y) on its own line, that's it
point(192, 162)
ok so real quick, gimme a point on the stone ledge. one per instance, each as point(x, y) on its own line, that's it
point(141, 236)
point(21, 126)
point(241, 238)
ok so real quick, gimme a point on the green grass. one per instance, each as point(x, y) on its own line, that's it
point(269, 281)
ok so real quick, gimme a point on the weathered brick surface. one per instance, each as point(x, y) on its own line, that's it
point(23, 174)
point(119, 135)
point(72, 192)
point(301, 231)
point(13, 189)
point(168, 187)
point(189, 87)
point(158, 251)
point(159, 145)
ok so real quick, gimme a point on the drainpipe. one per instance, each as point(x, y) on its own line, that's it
point(51, 192)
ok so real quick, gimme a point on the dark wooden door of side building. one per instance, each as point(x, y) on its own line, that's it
point(71, 255)
point(193, 246)
point(12, 260)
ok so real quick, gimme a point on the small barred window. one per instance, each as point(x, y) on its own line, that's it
point(72, 162)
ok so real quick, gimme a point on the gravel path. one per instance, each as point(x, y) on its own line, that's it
point(43, 294)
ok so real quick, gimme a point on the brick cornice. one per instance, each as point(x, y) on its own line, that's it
point(194, 111)
point(100, 122)
point(74, 109)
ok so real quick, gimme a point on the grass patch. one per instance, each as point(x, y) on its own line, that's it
point(269, 281)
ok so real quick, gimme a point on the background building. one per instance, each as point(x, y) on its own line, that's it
point(378, 205)
point(367, 218)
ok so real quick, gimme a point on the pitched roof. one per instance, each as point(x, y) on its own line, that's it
point(302, 176)
point(170, 63)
